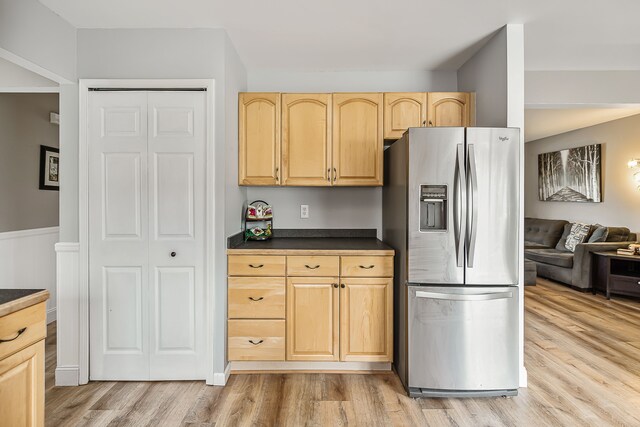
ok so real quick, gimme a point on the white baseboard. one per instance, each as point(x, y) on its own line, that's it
point(67, 376)
point(523, 377)
point(242, 365)
point(221, 378)
point(51, 315)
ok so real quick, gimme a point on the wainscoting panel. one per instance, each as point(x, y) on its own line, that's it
point(28, 261)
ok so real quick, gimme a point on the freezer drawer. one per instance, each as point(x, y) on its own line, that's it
point(463, 340)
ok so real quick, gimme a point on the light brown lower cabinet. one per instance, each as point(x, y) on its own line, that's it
point(313, 318)
point(22, 367)
point(366, 319)
point(344, 315)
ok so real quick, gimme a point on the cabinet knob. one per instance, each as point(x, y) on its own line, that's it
point(342, 286)
point(173, 254)
point(335, 285)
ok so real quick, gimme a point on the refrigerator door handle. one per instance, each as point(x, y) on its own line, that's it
point(459, 297)
point(473, 221)
point(460, 188)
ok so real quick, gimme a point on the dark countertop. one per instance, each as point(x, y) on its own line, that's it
point(12, 300)
point(314, 244)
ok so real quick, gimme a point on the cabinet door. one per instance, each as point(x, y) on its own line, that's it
point(312, 318)
point(366, 320)
point(259, 139)
point(22, 387)
point(357, 139)
point(403, 111)
point(306, 139)
point(449, 109)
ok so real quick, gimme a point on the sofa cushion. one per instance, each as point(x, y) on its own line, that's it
point(550, 256)
point(545, 232)
point(618, 234)
point(599, 234)
point(563, 239)
point(534, 245)
point(579, 234)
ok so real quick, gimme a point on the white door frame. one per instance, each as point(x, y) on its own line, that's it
point(83, 202)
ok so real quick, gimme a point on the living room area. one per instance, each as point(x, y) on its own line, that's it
point(582, 205)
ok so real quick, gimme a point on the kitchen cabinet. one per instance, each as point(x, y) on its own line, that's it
point(357, 139)
point(259, 139)
point(366, 319)
point(312, 318)
point(403, 111)
point(306, 139)
point(450, 109)
point(312, 306)
point(22, 365)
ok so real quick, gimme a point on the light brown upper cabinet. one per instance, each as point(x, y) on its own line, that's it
point(403, 111)
point(357, 139)
point(306, 139)
point(259, 139)
point(449, 109)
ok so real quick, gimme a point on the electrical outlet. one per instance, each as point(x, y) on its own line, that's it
point(304, 211)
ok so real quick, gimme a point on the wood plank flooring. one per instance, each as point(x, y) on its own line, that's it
point(582, 354)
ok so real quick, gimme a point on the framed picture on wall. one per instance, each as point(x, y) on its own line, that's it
point(49, 168)
point(571, 175)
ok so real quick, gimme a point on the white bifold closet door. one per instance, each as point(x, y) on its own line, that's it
point(146, 235)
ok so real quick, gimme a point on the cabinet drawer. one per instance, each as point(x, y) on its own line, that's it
point(313, 266)
point(23, 328)
point(256, 339)
point(256, 297)
point(256, 265)
point(624, 285)
point(366, 266)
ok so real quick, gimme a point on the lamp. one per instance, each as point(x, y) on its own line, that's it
point(633, 163)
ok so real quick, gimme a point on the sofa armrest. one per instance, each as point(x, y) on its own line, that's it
point(582, 262)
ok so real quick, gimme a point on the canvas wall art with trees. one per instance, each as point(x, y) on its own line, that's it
point(571, 175)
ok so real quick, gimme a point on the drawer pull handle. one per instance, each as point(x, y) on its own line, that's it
point(256, 299)
point(312, 267)
point(20, 332)
point(256, 343)
point(256, 266)
point(367, 267)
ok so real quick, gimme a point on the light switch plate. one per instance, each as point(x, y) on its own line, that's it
point(304, 211)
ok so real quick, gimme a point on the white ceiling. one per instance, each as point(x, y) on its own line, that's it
point(540, 123)
point(384, 34)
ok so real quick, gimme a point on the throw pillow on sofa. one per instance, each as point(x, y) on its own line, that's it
point(578, 234)
point(599, 235)
point(563, 240)
point(618, 234)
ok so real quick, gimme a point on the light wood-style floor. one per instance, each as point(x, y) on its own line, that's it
point(582, 353)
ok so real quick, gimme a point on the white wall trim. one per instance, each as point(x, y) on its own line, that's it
point(5, 235)
point(221, 378)
point(66, 376)
point(83, 198)
point(30, 89)
point(67, 372)
point(51, 315)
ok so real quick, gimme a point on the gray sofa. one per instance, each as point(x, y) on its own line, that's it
point(544, 245)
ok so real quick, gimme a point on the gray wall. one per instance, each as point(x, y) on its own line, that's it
point(486, 74)
point(24, 126)
point(354, 207)
point(621, 199)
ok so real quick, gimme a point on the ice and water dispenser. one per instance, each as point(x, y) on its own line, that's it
point(433, 208)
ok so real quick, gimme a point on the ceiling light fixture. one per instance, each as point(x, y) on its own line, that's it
point(633, 163)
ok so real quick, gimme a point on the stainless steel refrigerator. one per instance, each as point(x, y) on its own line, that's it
point(451, 210)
